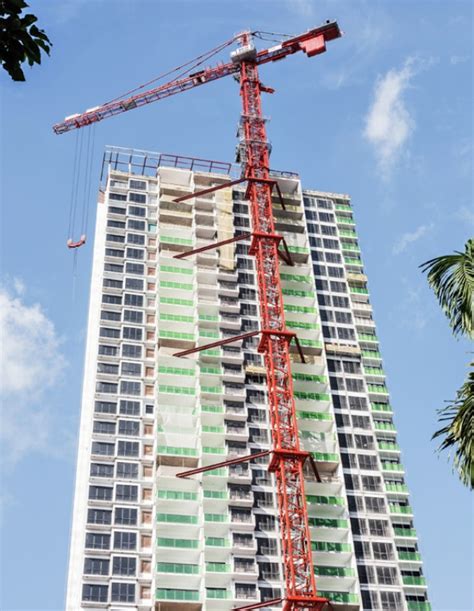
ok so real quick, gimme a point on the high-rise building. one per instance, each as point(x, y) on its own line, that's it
point(144, 538)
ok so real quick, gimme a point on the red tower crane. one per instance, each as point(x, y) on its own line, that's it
point(287, 457)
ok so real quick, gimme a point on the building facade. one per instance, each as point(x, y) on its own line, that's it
point(142, 538)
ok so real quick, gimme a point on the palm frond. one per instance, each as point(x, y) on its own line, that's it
point(458, 433)
point(452, 279)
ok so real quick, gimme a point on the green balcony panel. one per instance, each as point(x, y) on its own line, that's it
point(384, 426)
point(214, 409)
point(374, 371)
point(176, 518)
point(176, 285)
point(340, 597)
point(309, 377)
point(173, 269)
point(405, 509)
point(212, 389)
point(409, 556)
point(212, 429)
point(209, 333)
point(210, 317)
point(296, 278)
point(381, 407)
point(391, 466)
point(344, 207)
point(349, 247)
point(177, 495)
point(352, 261)
point(176, 390)
point(175, 567)
point(368, 337)
point(217, 567)
point(301, 309)
point(377, 388)
point(301, 325)
point(333, 571)
point(215, 494)
point(311, 396)
point(344, 220)
point(176, 334)
point(405, 532)
point(217, 542)
point(409, 580)
point(172, 240)
point(175, 301)
point(314, 415)
point(325, 500)
point(371, 354)
point(216, 517)
point(325, 456)
point(176, 317)
point(210, 450)
point(359, 290)
point(298, 250)
point(395, 487)
point(216, 472)
point(419, 606)
point(328, 523)
point(178, 371)
point(178, 543)
point(330, 546)
point(296, 293)
point(217, 593)
point(211, 370)
point(177, 451)
point(168, 594)
point(310, 343)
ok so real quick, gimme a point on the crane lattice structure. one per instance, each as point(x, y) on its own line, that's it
point(287, 457)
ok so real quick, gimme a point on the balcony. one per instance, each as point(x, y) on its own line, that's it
point(409, 580)
point(176, 456)
point(409, 556)
point(407, 533)
point(419, 606)
point(168, 599)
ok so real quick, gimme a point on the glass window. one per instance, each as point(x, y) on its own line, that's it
point(128, 448)
point(112, 299)
point(367, 462)
point(112, 267)
point(94, 593)
point(123, 592)
point(97, 541)
point(137, 225)
point(133, 300)
point(102, 449)
point(96, 566)
point(100, 493)
point(133, 316)
point(129, 408)
point(116, 224)
point(106, 388)
point(135, 268)
point(113, 237)
point(109, 332)
point(124, 565)
point(135, 253)
point(125, 540)
point(102, 470)
point(127, 470)
point(109, 368)
point(105, 407)
point(125, 492)
point(107, 350)
point(130, 388)
point(136, 238)
point(129, 427)
point(134, 284)
point(99, 516)
point(134, 333)
point(137, 184)
point(104, 427)
point(131, 351)
point(136, 211)
point(126, 516)
point(140, 198)
point(121, 197)
point(131, 369)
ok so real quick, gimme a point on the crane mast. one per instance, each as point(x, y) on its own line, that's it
point(287, 457)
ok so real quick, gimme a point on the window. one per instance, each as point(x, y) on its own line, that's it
point(358, 403)
point(129, 427)
point(130, 408)
point(123, 592)
point(333, 257)
point(133, 333)
point(107, 350)
point(126, 492)
point(116, 210)
point(324, 300)
point(328, 230)
point(131, 369)
point(104, 427)
point(361, 422)
point(135, 253)
point(136, 225)
point(112, 267)
point(111, 299)
point(314, 242)
point(134, 284)
point(326, 217)
point(126, 516)
point(366, 574)
point(370, 599)
point(118, 196)
point(100, 493)
point(331, 244)
point(112, 284)
point(359, 526)
point(105, 407)
point(128, 448)
point(327, 316)
point(319, 270)
point(113, 252)
point(135, 238)
point(149, 409)
point(94, 593)
point(125, 540)
point(322, 285)
point(374, 504)
point(343, 317)
point(351, 481)
point(335, 272)
point(336, 383)
point(136, 211)
point(364, 442)
point(367, 462)
point(109, 368)
point(102, 449)
point(131, 351)
point(350, 366)
point(96, 566)
point(340, 302)
point(382, 551)
point(355, 503)
point(311, 215)
point(99, 516)
point(124, 565)
point(342, 420)
point(133, 300)
point(108, 332)
point(340, 403)
point(133, 316)
point(130, 388)
point(97, 541)
point(102, 470)
point(106, 388)
point(140, 198)
point(113, 237)
point(137, 184)
point(338, 287)
point(355, 385)
point(135, 268)
point(391, 600)
point(116, 224)
point(379, 528)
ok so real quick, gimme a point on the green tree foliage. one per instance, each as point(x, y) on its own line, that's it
point(452, 279)
point(20, 39)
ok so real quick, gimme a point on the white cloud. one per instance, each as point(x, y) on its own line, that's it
point(458, 59)
point(303, 7)
point(389, 124)
point(466, 215)
point(31, 363)
point(410, 237)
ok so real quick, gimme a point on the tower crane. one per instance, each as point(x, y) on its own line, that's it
point(287, 457)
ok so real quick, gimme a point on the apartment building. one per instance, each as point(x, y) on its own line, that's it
point(143, 538)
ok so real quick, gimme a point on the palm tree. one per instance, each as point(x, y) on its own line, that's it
point(452, 279)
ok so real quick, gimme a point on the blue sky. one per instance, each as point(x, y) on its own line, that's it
point(385, 115)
